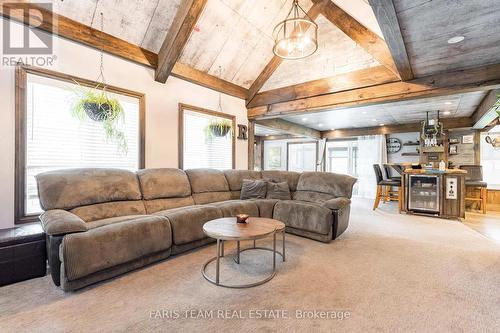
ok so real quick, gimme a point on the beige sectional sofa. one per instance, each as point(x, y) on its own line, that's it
point(103, 222)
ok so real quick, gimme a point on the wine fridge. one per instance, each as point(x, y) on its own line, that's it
point(423, 193)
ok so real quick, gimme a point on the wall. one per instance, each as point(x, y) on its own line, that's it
point(466, 151)
point(398, 157)
point(161, 110)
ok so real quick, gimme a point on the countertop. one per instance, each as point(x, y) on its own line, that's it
point(435, 172)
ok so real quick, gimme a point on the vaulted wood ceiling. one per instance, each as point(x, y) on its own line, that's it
point(354, 65)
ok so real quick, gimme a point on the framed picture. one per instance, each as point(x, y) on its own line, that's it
point(468, 139)
point(453, 149)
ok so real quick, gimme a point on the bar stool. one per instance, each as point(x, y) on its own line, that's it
point(474, 179)
point(384, 186)
point(387, 169)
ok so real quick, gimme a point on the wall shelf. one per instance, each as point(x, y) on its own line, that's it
point(410, 154)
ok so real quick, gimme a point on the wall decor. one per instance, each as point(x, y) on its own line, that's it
point(451, 188)
point(242, 132)
point(393, 145)
point(468, 139)
point(453, 149)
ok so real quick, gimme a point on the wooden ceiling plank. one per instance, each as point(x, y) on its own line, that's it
point(388, 21)
point(77, 32)
point(475, 79)
point(485, 112)
point(351, 80)
point(83, 34)
point(290, 128)
point(274, 63)
point(365, 38)
point(448, 123)
point(193, 75)
point(185, 19)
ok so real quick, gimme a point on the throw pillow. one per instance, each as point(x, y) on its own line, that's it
point(253, 189)
point(279, 191)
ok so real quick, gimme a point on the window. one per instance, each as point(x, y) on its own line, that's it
point(49, 137)
point(199, 150)
point(342, 157)
point(490, 159)
point(302, 156)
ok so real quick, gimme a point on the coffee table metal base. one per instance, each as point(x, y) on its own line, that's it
point(220, 254)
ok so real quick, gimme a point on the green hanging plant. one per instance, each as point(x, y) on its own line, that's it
point(497, 106)
point(219, 127)
point(96, 105)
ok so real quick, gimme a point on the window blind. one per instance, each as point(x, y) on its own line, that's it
point(57, 140)
point(200, 151)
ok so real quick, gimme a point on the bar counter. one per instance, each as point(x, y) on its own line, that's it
point(434, 193)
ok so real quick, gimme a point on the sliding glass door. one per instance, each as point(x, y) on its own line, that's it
point(342, 157)
point(302, 156)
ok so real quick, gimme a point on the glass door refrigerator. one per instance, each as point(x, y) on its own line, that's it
point(423, 194)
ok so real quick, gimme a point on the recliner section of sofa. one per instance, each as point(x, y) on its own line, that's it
point(104, 222)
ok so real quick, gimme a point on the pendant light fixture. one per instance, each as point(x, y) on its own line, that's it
point(297, 36)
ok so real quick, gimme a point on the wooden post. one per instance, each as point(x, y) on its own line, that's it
point(251, 144)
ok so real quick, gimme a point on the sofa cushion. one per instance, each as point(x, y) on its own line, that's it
point(266, 206)
point(60, 222)
point(235, 177)
point(70, 188)
point(304, 216)
point(337, 203)
point(164, 183)
point(277, 176)
point(312, 196)
point(336, 184)
point(187, 222)
point(114, 244)
point(253, 189)
point(279, 191)
point(112, 220)
point(109, 209)
point(207, 180)
point(233, 207)
point(209, 197)
point(156, 205)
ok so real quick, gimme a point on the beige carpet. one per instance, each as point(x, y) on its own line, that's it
point(387, 273)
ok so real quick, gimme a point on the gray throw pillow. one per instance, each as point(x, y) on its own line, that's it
point(253, 189)
point(279, 191)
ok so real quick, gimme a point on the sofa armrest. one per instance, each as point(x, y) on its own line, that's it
point(60, 222)
point(337, 203)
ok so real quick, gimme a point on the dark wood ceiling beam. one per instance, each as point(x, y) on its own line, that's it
point(364, 37)
point(486, 111)
point(388, 21)
point(475, 79)
point(448, 123)
point(77, 32)
point(290, 128)
point(347, 81)
point(178, 34)
point(193, 75)
point(274, 63)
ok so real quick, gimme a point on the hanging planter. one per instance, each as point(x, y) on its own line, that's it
point(219, 128)
point(95, 104)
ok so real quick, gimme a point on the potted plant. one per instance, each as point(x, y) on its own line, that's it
point(219, 127)
point(96, 105)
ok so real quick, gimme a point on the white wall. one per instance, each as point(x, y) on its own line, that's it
point(161, 110)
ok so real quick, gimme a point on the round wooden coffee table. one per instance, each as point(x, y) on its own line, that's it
point(227, 229)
